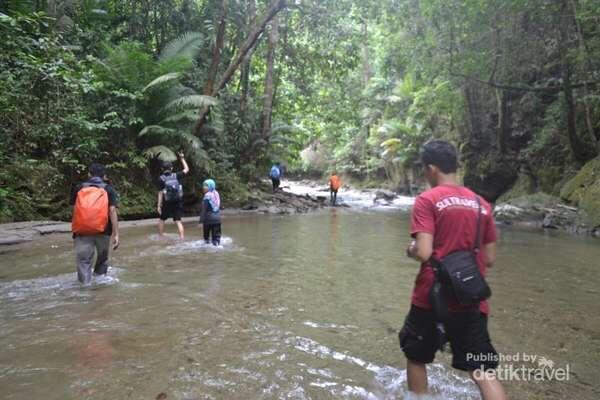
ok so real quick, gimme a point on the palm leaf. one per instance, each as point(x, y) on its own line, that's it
point(184, 116)
point(155, 130)
point(176, 91)
point(162, 79)
point(194, 100)
point(191, 141)
point(161, 152)
point(185, 46)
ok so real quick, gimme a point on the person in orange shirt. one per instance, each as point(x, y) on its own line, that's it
point(334, 184)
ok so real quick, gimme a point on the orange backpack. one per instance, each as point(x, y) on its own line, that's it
point(334, 182)
point(90, 215)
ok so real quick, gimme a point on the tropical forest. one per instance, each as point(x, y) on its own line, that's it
point(304, 143)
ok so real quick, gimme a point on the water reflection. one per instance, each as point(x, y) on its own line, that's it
point(93, 352)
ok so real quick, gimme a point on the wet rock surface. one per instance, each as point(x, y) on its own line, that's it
point(260, 201)
point(544, 211)
point(385, 195)
point(21, 232)
point(282, 202)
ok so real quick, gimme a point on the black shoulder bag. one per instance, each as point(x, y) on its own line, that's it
point(458, 277)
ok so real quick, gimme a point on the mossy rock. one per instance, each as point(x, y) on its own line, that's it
point(531, 207)
point(590, 203)
point(584, 190)
point(522, 187)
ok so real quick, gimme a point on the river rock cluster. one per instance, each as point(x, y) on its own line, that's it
point(282, 202)
point(544, 211)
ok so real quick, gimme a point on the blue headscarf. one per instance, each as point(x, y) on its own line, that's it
point(212, 195)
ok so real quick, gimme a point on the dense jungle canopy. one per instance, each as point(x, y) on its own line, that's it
point(355, 86)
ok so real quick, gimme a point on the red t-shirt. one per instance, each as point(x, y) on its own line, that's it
point(449, 213)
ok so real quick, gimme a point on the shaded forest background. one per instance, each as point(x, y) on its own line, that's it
point(355, 86)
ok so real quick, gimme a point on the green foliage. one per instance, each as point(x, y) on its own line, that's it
point(362, 84)
point(171, 109)
point(186, 46)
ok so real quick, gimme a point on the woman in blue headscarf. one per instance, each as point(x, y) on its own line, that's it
point(210, 214)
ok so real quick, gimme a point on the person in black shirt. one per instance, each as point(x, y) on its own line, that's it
point(170, 196)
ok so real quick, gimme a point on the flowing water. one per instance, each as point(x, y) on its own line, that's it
point(294, 307)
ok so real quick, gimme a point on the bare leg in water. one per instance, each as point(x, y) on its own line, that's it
point(180, 229)
point(489, 386)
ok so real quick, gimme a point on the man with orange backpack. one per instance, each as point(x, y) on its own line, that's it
point(94, 222)
point(334, 185)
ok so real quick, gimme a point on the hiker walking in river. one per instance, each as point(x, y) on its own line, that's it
point(453, 230)
point(170, 195)
point(95, 222)
point(210, 214)
point(275, 175)
point(334, 185)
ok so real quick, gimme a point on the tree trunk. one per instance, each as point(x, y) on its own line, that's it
point(245, 75)
point(246, 50)
point(269, 80)
point(578, 148)
point(585, 54)
point(216, 56)
point(366, 75)
point(503, 133)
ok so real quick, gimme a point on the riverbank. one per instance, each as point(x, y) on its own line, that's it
point(543, 211)
point(538, 211)
point(260, 202)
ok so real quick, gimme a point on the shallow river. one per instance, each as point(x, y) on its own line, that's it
point(294, 307)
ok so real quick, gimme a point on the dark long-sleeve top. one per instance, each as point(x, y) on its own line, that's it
point(207, 215)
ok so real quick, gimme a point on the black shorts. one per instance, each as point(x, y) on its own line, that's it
point(172, 210)
point(466, 331)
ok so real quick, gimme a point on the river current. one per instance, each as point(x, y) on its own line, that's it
point(289, 307)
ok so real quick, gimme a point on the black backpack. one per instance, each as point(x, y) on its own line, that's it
point(173, 191)
point(457, 276)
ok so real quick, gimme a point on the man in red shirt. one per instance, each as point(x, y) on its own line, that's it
point(443, 221)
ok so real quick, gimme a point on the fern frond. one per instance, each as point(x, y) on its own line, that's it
point(155, 130)
point(184, 116)
point(185, 46)
point(194, 100)
point(189, 140)
point(161, 152)
point(162, 80)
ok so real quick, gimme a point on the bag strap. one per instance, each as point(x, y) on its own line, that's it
point(478, 229)
point(93, 184)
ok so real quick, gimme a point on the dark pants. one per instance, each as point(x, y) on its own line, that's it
point(85, 248)
point(215, 229)
point(276, 183)
point(332, 196)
